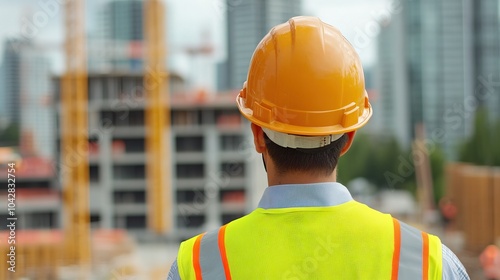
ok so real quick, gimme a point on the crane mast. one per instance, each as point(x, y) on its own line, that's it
point(157, 119)
point(74, 131)
point(74, 139)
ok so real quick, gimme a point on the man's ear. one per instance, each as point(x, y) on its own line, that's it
point(258, 139)
point(350, 136)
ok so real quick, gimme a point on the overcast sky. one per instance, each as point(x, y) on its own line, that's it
point(188, 19)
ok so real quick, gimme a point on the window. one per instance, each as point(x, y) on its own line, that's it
point(129, 172)
point(123, 117)
point(129, 197)
point(40, 220)
point(233, 169)
point(186, 118)
point(190, 221)
point(135, 222)
point(197, 196)
point(231, 142)
point(95, 221)
point(136, 145)
point(232, 196)
point(229, 117)
point(189, 144)
point(94, 174)
point(31, 184)
point(190, 170)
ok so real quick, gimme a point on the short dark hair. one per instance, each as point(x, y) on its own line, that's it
point(320, 161)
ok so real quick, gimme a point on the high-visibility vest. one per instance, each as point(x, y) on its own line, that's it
point(347, 241)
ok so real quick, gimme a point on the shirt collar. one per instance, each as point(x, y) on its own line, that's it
point(305, 195)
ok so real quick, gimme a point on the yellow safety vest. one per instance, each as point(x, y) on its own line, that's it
point(347, 241)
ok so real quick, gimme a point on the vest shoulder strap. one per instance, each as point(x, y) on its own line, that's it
point(417, 254)
point(209, 259)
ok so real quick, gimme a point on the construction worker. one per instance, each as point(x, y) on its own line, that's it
point(305, 97)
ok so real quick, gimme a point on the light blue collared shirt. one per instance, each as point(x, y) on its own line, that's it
point(329, 194)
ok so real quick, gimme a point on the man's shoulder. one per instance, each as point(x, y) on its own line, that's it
point(452, 267)
point(188, 243)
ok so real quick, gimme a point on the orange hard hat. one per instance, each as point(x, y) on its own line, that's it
point(305, 79)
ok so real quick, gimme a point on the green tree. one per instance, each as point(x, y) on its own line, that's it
point(482, 147)
point(354, 164)
point(437, 161)
point(10, 135)
point(370, 157)
point(374, 157)
point(495, 144)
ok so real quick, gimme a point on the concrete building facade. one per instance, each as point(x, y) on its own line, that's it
point(37, 201)
point(213, 170)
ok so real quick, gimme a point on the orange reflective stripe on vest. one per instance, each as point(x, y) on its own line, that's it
point(222, 249)
point(425, 256)
point(413, 253)
point(209, 257)
point(397, 249)
point(196, 257)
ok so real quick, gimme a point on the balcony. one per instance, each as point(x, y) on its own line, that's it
point(190, 157)
point(233, 208)
point(129, 158)
point(129, 184)
point(33, 200)
point(191, 208)
point(239, 156)
point(190, 183)
point(130, 208)
point(128, 131)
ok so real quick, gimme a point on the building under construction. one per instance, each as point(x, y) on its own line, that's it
point(209, 153)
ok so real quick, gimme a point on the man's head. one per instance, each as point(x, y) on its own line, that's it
point(305, 96)
point(320, 161)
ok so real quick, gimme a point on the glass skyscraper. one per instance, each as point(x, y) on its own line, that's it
point(117, 41)
point(449, 46)
point(247, 23)
point(25, 89)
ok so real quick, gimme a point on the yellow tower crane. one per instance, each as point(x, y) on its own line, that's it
point(157, 119)
point(74, 139)
point(74, 131)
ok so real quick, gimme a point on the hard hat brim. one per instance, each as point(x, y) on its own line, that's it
point(301, 130)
